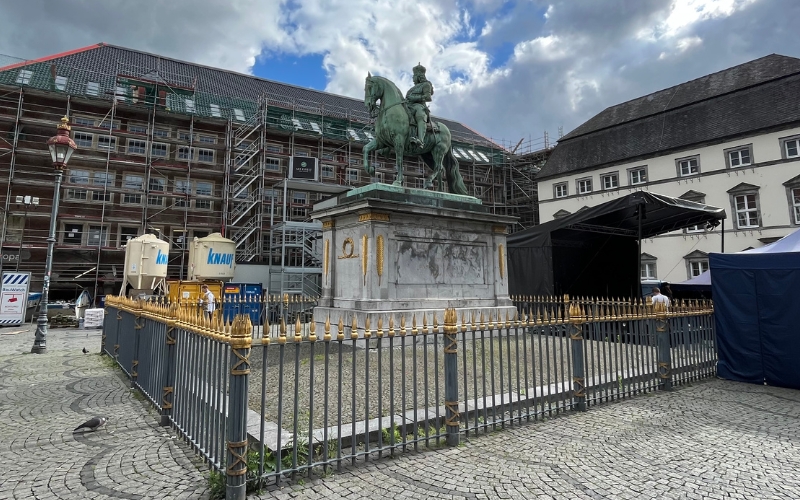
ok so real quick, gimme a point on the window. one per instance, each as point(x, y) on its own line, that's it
point(610, 181)
point(120, 93)
point(73, 234)
point(182, 188)
point(77, 194)
point(136, 147)
point(208, 139)
point(688, 166)
point(300, 153)
point(479, 191)
point(137, 129)
point(328, 171)
point(24, 76)
point(184, 136)
point(795, 201)
point(155, 200)
point(739, 157)
point(299, 197)
point(160, 132)
point(744, 204)
point(157, 184)
point(379, 177)
point(184, 153)
point(214, 110)
point(560, 190)
point(103, 181)
point(352, 175)
point(107, 142)
point(648, 270)
point(238, 114)
point(178, 239)
point(109, 124)
point(82, 121)
point(697, 267)
point(189, 105)
point(790, 147)
point(203, 188)
point(83, 140)
point(205, 155)
point(92, 88)
point(327, 156)
point(78, 176)
point(584, 186)
point(61, 83)
point(274, 148)
point(159, 150)
point(97, 236)
point(746, 211)
point(133, 183)
point(696, 197)
point(127, 233)
point(273, 164)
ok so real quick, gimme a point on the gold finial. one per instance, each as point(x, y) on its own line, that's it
point(380, 326)
point(340, 329)
point(64, 124)
point(298, 328)
point(282, 336)
point(367, 332)
point(327, 336)
point(354, 328)
point(312, 329)
point(391, 325)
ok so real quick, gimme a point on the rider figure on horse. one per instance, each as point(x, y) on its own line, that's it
point(416, 97)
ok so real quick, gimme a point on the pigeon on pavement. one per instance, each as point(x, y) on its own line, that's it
point(85, 351)
point(92, 424)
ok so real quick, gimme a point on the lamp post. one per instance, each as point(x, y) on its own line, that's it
point(61, 148)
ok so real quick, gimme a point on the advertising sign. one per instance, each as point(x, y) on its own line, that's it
point(14, 298)
point(303, 167)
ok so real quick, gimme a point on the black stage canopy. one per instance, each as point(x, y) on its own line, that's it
point(597, 250)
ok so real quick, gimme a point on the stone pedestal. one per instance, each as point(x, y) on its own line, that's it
point(400, 251)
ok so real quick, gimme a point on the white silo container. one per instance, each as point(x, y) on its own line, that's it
point(146, 258)
point(212, 257)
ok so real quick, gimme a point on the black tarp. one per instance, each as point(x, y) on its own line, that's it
point(756, 313)
point(596, 250)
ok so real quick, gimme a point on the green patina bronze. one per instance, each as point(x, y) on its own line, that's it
point(403, 126)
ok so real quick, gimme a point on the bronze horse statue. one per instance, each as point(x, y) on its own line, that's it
point(393, 131)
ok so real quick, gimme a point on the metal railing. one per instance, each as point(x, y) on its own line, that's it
point(309, 396)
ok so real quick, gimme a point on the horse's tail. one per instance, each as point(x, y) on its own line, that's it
point(455, 182)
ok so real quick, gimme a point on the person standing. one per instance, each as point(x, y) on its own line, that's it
point(659, 298)
point(208, 301)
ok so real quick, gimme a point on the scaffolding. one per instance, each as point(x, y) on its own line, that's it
point(157, 155)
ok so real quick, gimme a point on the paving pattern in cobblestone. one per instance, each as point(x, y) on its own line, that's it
point(44, 397)
point(713, 440)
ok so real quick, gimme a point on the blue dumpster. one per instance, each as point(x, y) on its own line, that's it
point(242, 298)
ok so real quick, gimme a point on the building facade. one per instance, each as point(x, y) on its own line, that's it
point(730, 140)
point(182, 150)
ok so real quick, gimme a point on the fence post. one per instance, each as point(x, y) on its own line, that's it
point(236, 472)
point(138, 324)
point(452, 418)
point(167, 396)
point(663, 346)
point(576, 320)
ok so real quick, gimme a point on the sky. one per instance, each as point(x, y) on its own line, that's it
point(510, 70)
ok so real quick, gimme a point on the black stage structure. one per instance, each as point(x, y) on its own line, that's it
point(597, 251)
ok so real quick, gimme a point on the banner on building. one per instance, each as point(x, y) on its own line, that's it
point(304, 167)
point(14, 298)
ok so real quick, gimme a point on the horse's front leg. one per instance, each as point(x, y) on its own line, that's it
point(399, 146)
point(371, 145)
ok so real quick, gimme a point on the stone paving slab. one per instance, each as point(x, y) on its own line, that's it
point(43, 397)
point(713, 440)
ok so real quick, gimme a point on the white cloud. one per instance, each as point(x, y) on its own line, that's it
point(561, 61)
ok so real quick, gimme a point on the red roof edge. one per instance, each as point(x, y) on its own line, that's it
point(48, 58)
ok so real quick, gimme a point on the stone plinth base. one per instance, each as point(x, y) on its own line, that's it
point(395, 251)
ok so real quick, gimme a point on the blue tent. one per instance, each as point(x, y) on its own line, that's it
point(757, 314)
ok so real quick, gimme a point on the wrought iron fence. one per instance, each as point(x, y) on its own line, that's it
point(315, 396)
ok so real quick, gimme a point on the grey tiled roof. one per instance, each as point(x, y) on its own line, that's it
point(757, 95)
point(112, 60)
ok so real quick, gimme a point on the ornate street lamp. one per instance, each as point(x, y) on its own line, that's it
point(61, 148)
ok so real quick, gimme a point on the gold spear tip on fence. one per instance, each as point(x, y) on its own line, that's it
point(312, 331)
point(367, 332)
point(327, 335)
point(354, 328)
point(297, 329)
point(340, 331)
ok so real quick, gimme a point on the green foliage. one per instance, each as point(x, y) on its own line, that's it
point(216, 485)
point(387, 434)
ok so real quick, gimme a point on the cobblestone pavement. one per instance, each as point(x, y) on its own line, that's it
point(713, 440)
point(44, 397)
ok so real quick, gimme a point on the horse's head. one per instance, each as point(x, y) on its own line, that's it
point(371, 93)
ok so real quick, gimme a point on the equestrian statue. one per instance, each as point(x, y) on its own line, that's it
point(403, 125)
